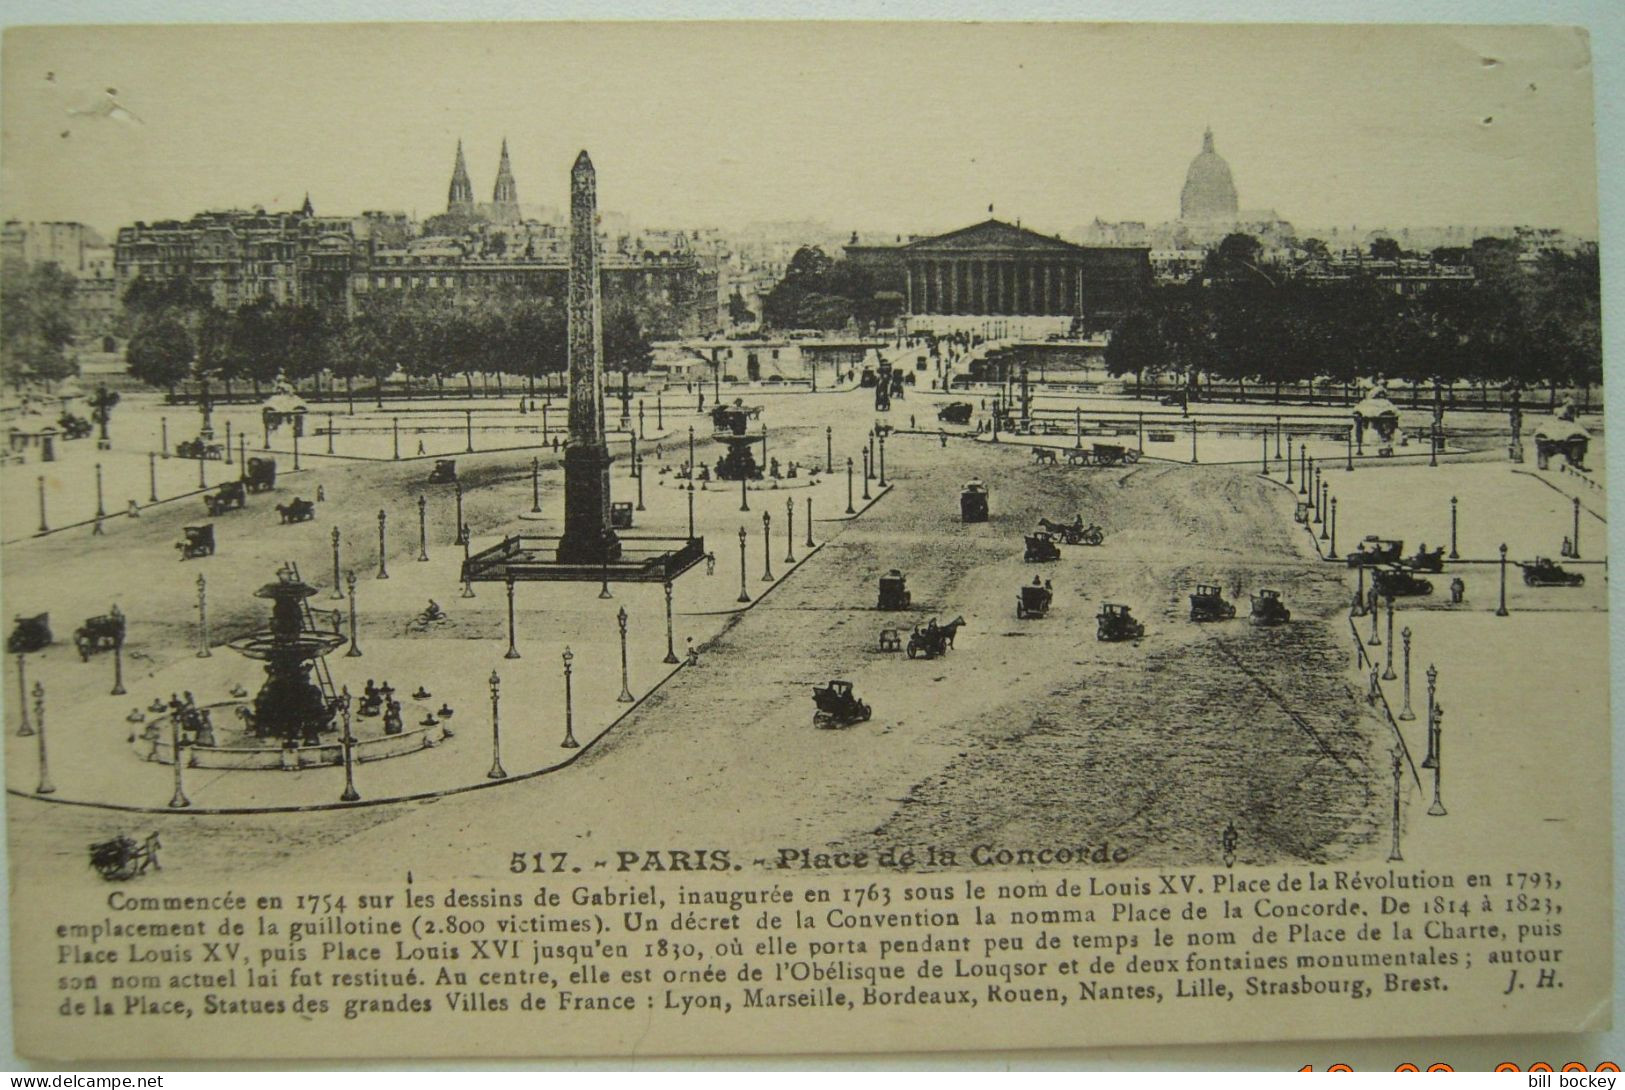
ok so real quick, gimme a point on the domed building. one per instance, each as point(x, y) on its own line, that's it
point(1209, 195)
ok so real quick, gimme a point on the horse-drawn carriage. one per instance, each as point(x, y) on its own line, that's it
point(1034, 599)
point(297, 511)
point(444, 471)
point(894, 591)
point(1041, 547)
point(1102, 454)
point(1075, 532)
point(1115, 624)
point(956, 412)
point(1373, 550)
point(229, 496)
point(1269, 610)
point(933, 639)
point(102, 633)
point(199, 541)
point(260, 474)
point(1393, 581)
point(1543, 572)
point(837, 705)
point(73, 427)
point(29, 634)
point(199, 448)
point(1209, 604)
point(122, 858)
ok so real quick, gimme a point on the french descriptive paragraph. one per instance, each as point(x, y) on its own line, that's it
point(687, 947)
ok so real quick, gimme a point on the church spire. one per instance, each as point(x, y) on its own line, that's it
point(505, 195)
point(308, 210)
point(461, 197)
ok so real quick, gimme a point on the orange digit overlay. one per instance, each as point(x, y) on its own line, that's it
point(1340, 1067)
point(1509, 1066)
point(1441, 1067)
point(1608, 1065)
point(1407, 1067)
point(1574, 1065)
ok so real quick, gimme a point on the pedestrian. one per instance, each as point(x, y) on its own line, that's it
point(420, 447)
point(134, 510)
point(692, 652)
point(1458, 591)
point(710, 563)
point(321, 494)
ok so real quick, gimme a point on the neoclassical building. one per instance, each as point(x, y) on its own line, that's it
point(998, 268)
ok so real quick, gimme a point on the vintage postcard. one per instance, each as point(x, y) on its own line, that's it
point(539, 540)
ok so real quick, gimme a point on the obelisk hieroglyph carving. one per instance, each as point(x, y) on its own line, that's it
point(587, 534)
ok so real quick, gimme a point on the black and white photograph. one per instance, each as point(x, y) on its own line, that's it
point(720, 538)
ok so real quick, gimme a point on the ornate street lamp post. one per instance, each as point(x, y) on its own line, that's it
point(1575, 554)
point(829, 449)
point(744, 596)
point(468, 582)
point(869, 466)
point(626, 689)
point(152, 478)
point(1501, 610)
point(1376, 608)
point(1331, 552)
point(1264, 455)
point(535, 486)
point(177, 801)
point(569, 706)
point(849, 508)
point(497, 771)
point(1433, 680)
point(355, 633)
point(867, 472)
point(24, 727)
point(202, 618)
point(1388, 670)
point(767, 547)
point(1303, 467)
point(349, 794)
point(671, 650)
point(338, 583)
point(640, 482)
point(423, 528)
point(45, 787)
point(42, 526)
point(513, 652)
point(744, 498)
point(101, 512)
point(1325, 491)
point(395, 436)
point(789, 530)
point(118, 653)
point(295, 454)
point(883, 462)
point(462, 530)
point(1406, 714)
point(1453, 554)
point(383, 571)
point(1393, 850)
point(809, 523)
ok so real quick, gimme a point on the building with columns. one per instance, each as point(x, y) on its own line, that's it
point(996, 268)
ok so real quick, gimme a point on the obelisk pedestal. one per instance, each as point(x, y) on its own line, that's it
point(588, 538)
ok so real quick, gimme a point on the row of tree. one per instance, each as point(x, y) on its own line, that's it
point(821, 292)
point(1516, 325)
point(179, 336)
point(36, 324)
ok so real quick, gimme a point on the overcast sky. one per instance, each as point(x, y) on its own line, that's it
point(872, 127)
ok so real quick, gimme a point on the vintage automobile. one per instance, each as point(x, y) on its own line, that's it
point(931, 639)
point(1075, 532)
point(297, 511)
point(973, 501)
point(1209, 604)
point(956, 412)
point(1425, 559)
point(73, 427)
point(1041, 547)
point(228, 496)
point(1393, 581)
point(620, 515)
point(444, 471)
point(1374, 550)
point(1116, 624)
point(837, 705)
point(102, 633)
point(1542, 572)
point(1034, 600)
point(29, 634)
point(1268, 609)
point(197, 448)
point(199, 541)
point(894, 591)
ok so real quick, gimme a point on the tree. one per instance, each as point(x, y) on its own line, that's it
point(160, 353)
point(1384, 249)
point(36, 323)
point(739, 313)
point(625, 346)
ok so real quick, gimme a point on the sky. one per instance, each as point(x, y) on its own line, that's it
point(873, 127)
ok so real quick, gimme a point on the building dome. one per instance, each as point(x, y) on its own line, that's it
point(1209, 193)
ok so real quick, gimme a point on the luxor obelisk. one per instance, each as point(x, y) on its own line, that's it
point(588, 538)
